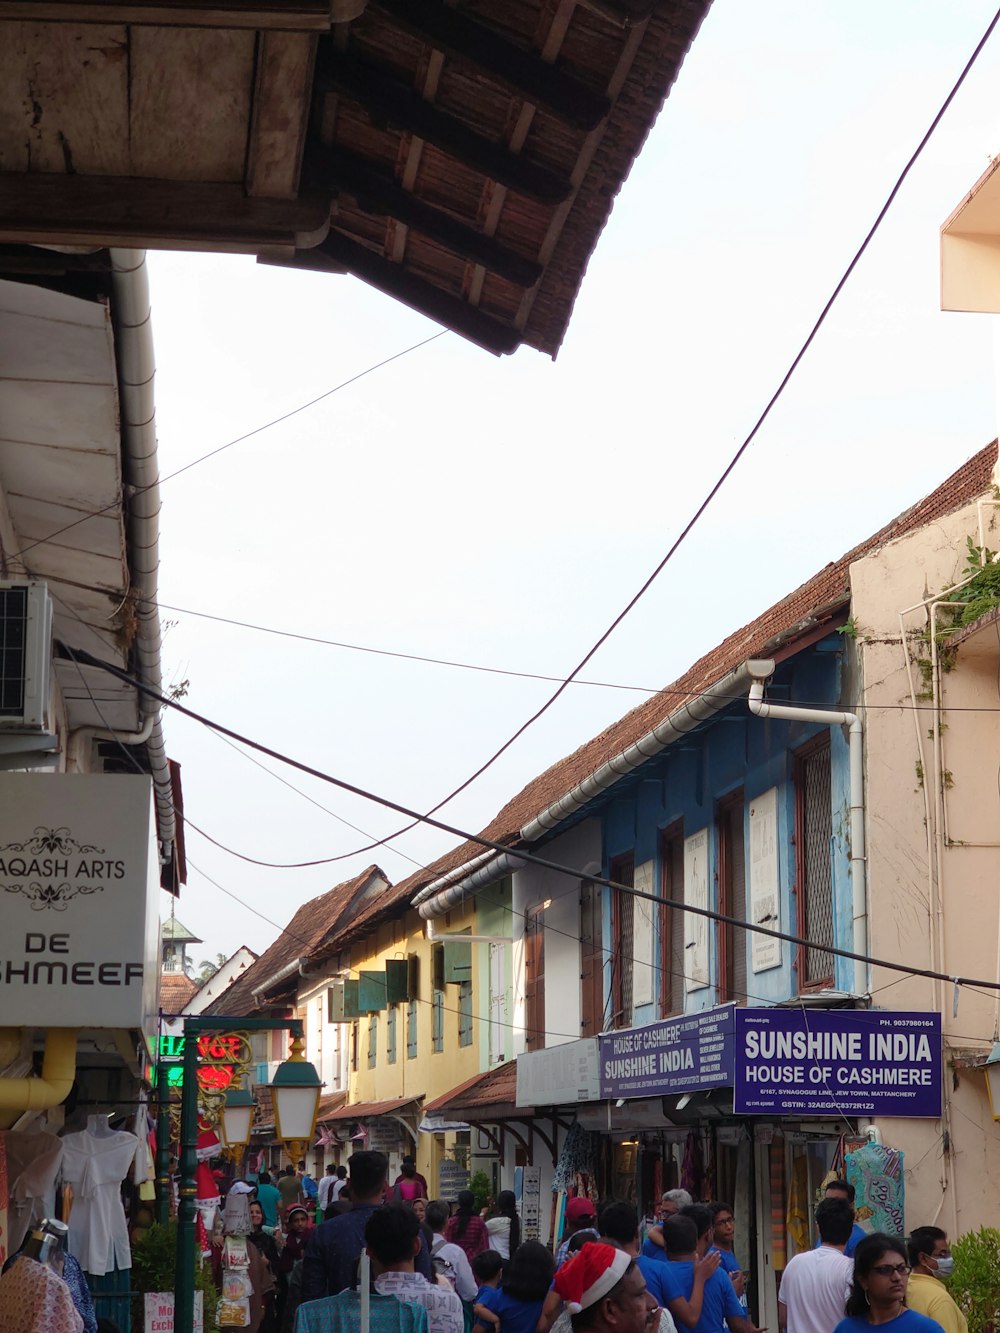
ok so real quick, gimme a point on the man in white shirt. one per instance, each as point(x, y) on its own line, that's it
point(325, 1186)
point(339, 1185)
point(448, 1258)
point(392, 1239)
point(815, 1284)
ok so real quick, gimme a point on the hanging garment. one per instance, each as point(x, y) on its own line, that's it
point(34, 1300)
point(95, 1165)
point(33, 1162)
point(876, 1172)
point(797, 1215)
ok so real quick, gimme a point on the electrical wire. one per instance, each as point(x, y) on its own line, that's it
point(528, 858)
point(734, 461)
point(239, 439)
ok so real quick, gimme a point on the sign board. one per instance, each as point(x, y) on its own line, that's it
point(837, 1062)
point(765, 909)
point(79, 884)
point(689, 1053)
point(696, 927)
point(159, 1312)
point(452, 1177)
point(383, 1136)
point(530, 1202)
point(559, 1075)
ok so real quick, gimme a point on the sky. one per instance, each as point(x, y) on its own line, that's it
point(502, 512)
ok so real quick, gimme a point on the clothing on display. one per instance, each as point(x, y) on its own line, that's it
point(95, 1162)
point(33, 1299)
point(33, 1162)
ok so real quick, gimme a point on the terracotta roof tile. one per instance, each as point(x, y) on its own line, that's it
point(497, 1087)
point(175, 991)
point(818, 595)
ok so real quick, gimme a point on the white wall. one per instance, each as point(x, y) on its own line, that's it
point(533, 885)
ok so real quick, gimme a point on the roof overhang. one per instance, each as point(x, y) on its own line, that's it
point(970, 249)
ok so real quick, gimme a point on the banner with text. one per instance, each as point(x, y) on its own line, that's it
point(688, 1053)
point(837, 1062)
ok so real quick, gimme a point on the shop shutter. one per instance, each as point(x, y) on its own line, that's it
point(591, 961)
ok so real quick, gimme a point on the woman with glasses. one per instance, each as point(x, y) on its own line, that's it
point(878, 1290)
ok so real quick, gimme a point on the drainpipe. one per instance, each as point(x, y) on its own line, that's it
point(448, 891)
point(462, 938)
point(299, 966)
point(42, 1094)
point(136, 370)
point(761, 671)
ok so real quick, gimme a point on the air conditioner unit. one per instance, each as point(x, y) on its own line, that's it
point(25, 654)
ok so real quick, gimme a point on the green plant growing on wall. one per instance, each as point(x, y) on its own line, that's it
point(981, 594)
point(481, 1189)
point(975, 1281)
point(154, 1256)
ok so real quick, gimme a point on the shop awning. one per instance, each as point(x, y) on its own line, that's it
point(484, 1097)
point(329, 1106)
point(369, 1110)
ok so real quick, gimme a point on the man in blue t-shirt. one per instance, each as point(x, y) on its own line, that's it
point(690, 1284)
point(724, 1232)
point(841, 1189)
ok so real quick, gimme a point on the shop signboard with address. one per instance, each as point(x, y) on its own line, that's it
point(837, 1062)
point(688, 1053)
point(79, 882)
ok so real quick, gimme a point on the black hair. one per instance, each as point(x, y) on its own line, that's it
point(466, 1203)
point(834, 1221)
point(263, 1178)
point(368, 1173)
point(577, 1241)
point(845, 1187)
point(507, 1207)
point(485, 1266)
point(619, 1222)
point(922, 1242)
point(408, 1168)
point(680, 1235)
point(289, 1171)
point(341, 1172)
point(866, 1256)
point(720, 1207)
point(437, 1214)
point(390, 1233)
point(332, 1170)
point(701, 1215)
point(529, 1274)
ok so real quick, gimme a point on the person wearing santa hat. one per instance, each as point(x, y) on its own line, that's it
point(605, 1292)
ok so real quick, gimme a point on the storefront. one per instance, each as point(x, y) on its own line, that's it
point(759, 1107)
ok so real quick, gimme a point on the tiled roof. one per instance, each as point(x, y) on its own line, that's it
point(175, 991)
point(304, 935)
point(368, 1110)
point(494, 1089)
point(813, 599)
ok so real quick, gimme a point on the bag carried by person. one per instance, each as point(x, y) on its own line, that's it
point(443, 1267)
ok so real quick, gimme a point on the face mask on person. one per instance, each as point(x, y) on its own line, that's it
point(945, 1265)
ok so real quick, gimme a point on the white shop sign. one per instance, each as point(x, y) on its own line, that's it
point(79, 879)
point(159, 1312)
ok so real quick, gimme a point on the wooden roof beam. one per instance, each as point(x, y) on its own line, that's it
point(274, 15)
point(49, 209)
point(337, 254)
point(517, 68)
point(390, 102)
point(334, 169)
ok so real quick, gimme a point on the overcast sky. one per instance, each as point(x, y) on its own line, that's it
point(501, 512)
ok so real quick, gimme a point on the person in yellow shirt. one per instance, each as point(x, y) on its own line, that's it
point(930, 1261)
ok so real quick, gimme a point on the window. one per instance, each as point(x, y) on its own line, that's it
point(411, 1030)
point(390, 1035)
point(813, 861)
point(731, 941)
point(498, 1003)
point(437, 1022)
point(465, 1013)
point(591, 961)
point(672, 978)
point(354, 1047)
point(622, 869)
point(534, 979)
point(372, 1040)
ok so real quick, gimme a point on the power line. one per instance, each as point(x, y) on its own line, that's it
point(257, 430)
point(530, 858)
point(731, 465)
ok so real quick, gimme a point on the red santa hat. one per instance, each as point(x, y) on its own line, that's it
point(590, 1275)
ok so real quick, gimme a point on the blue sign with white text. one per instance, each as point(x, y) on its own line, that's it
point(837, 1062)
point(688, 1053)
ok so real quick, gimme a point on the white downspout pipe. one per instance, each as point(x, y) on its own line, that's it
point(761, 672)
point(462, 938)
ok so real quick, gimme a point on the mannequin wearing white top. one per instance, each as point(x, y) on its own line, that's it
point(95, 1162)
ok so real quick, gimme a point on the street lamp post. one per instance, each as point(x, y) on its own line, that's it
point(304, 1075)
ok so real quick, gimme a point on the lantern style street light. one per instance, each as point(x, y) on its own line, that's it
point(295, 1091)
point(237, 1118)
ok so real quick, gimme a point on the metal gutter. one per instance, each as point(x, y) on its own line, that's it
point(730, 689)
